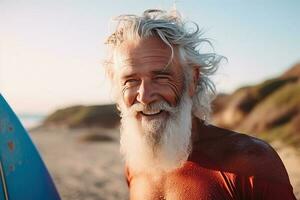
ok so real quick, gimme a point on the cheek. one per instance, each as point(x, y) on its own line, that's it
point(128, 96)
point(122, 95)
point(170, 92)
point(173, 89)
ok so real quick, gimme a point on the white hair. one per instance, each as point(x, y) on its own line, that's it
point(176, 33)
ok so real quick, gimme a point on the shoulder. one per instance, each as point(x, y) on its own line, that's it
point(242, 154)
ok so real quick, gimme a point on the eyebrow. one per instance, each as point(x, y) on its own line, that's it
point(128, 76)
point(161, 72)
point(154, 72)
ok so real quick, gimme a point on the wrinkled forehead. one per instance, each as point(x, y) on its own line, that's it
point(142, 51)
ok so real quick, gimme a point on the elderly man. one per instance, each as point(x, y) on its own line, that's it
point(162, 88)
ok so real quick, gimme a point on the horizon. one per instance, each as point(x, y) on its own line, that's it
point(51, 51)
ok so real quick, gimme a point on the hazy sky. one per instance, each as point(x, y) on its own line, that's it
point(51, 50)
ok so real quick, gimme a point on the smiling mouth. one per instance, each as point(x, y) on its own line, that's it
point(151, 113)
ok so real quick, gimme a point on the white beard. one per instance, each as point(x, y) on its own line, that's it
point(159, 145)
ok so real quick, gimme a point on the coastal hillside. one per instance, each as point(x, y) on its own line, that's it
point(269, 110)
point(105, 116)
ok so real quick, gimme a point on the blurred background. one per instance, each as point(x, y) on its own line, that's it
point(51, 73)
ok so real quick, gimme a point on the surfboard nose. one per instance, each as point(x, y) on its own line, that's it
point(23, 172)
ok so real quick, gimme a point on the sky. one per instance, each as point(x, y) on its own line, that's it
point(51, 51)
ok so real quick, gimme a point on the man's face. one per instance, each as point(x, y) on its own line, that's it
point(145, 78)
point(155, 106)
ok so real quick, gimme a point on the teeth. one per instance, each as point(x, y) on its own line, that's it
point(151, 112)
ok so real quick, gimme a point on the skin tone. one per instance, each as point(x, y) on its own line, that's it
point(144, 78)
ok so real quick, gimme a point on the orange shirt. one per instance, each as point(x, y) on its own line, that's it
point(195, 182)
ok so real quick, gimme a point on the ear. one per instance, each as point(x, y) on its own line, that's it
point(194, 81)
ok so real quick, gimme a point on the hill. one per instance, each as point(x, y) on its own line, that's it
point(270, 110)
point(105, 116)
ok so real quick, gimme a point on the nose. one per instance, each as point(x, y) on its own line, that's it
point(146, 93)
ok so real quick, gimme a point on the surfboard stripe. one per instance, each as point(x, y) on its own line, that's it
point(3, 182)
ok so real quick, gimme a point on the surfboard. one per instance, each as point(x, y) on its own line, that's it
point(23, 174)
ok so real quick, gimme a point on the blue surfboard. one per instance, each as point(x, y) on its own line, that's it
point(23, 174)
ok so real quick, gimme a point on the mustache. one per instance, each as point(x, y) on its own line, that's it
point(153, 107)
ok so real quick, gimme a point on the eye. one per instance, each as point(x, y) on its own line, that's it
point(130, 82)
point(161, 78)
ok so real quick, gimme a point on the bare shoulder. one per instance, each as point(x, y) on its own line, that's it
point(255, 157)
point(242, 154)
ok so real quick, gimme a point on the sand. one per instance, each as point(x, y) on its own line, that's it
point(291, 159)
point(85, 170)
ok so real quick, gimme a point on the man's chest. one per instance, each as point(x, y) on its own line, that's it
point(176, 187)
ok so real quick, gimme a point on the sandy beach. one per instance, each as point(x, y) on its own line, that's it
point(83, 170)
point(86, 164)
